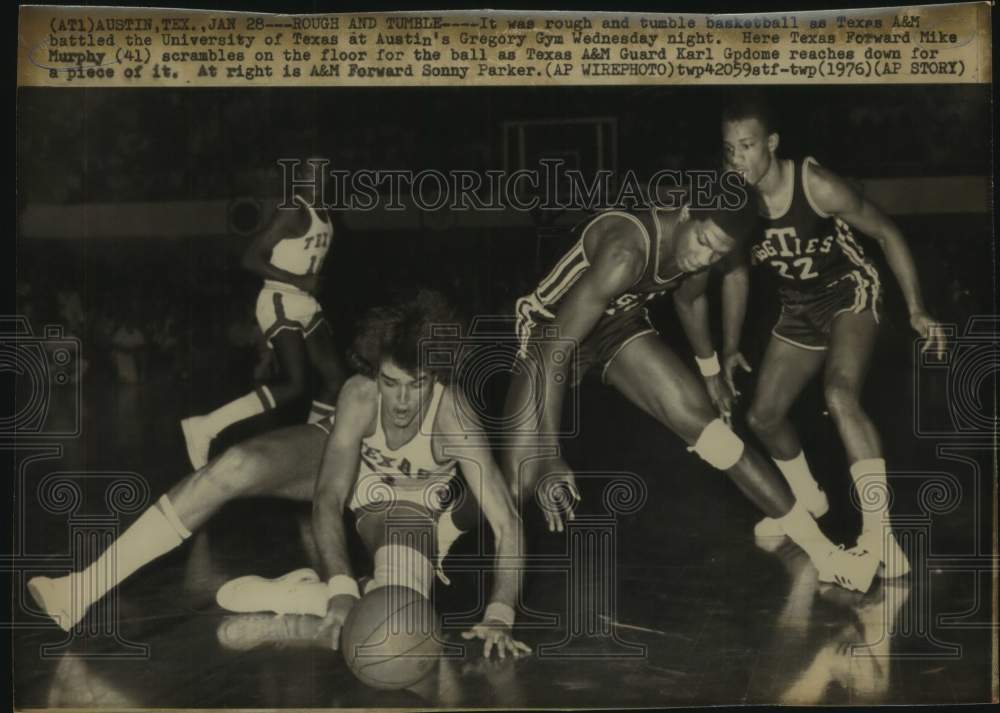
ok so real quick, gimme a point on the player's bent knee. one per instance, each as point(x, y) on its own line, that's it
point(841, 399)
point(762, 421)
point(718, 445)
point(238, 469)
point(402, 566)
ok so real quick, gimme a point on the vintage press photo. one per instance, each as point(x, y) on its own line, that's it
point(502, 359)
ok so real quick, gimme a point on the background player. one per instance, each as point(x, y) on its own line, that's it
point(399, 434)
point(289, 254)
point(593, 299)
point(830, 300)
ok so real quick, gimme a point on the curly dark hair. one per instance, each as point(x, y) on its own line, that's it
point(750, 104)
point(415, 326)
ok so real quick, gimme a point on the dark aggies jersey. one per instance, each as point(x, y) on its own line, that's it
point(809, 250)
point(553, 287)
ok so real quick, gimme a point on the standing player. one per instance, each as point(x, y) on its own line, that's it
point(830, 295)
point(399, 435)
point(593, 300)
point(289, 255)
point(397, 442)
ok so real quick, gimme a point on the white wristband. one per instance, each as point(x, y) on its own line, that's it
point(342, 584)
point(709, 366)
point(500, 612)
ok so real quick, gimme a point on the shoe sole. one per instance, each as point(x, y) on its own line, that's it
point(299, 575)
point(35, 588)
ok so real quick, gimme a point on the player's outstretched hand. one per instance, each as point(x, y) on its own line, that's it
point(931, 330)
point(721, 395)
point(336, 614)
point(730, 361)
point(557, 493)
point(496, 635)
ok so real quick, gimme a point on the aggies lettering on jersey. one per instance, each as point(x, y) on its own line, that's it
point(807, 248)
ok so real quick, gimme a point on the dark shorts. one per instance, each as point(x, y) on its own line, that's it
point(602, 345)
point(807, 317)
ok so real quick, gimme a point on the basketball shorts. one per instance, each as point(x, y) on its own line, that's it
point(281, 307)
point(807, 317)
point(608, 338)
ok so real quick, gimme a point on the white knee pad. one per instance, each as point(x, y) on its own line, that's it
point(402, 566)
point(718, 445)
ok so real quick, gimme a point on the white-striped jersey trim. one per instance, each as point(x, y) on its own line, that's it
point(849, 246)
point(806, 163)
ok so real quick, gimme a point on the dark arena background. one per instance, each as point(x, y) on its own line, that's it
point(134, 207)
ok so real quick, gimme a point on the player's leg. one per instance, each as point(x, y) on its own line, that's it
point(528, 447)
point(325, 359)
point(281, 317)
point(852, 338)
point(784, 372)
point(657, 381)
point(282, 462)
point(400, 540)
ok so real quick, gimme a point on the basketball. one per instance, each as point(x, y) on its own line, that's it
point(391, 638)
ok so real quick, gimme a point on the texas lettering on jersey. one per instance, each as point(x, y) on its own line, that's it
point(390, 468)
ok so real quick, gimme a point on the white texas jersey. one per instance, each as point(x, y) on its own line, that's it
point(408, 473)
point(303, 255)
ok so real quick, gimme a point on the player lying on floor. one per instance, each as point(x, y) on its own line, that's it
point(399, 437)
point(394, 448)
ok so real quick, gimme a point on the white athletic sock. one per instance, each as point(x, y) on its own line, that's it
point(799, 525)
point(869, 474)
point(154, 534)
point(402, 566)
point(309, 598)
point(319, 411)
point(242, 408)
point(796, 471)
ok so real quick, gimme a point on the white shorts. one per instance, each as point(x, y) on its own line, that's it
point(280, 308)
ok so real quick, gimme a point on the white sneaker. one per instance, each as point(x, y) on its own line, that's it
point(893, 561)
point(815, 502)
point(248, 631)
point(289, 594)
point(55, 597)
point(852, 569)
point(198, 440)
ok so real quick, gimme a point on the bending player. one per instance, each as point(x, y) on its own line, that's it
point(830, 296)
point(593, 300)
point(400, 432)
point(285, 462)
point(289, 255)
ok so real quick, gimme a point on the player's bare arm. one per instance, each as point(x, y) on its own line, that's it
point(691, 304)
point(283, 224)
point(617, 258)
point(338, 470)
point(833, 195)
point(460, 435)
point(735, 290)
